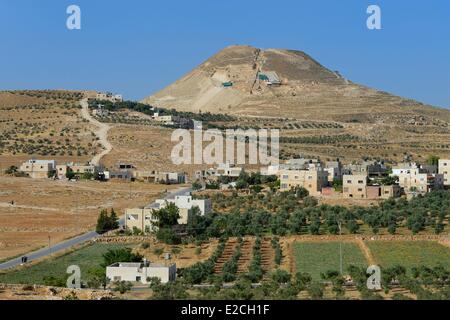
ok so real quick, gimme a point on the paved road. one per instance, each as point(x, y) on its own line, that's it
point(44, 252)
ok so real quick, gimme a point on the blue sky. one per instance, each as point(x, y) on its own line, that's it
point(138, 47)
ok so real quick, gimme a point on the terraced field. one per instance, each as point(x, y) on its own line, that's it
point(267, 255)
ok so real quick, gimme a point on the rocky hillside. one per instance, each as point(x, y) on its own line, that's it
point(235, 81)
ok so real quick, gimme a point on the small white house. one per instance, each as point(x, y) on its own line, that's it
point(141, 271)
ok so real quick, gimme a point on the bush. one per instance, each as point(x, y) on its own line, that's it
point(167, 235)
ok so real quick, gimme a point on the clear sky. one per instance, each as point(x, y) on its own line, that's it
point(137, 47)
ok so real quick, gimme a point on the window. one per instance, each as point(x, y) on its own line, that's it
point(360, 190)
point(285, 176)
point(349, 181)
point(138, 279)
point(360, 181)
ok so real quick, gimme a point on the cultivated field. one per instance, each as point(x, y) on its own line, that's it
point(409, 253)
point(90, 256)
point(318, 257)
point(60, 209)
point(87, 258)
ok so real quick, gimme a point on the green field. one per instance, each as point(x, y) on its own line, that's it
point(86, 258)
point(409, 253)
point(315, 258)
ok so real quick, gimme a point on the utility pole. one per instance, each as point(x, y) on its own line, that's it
point(340, 248)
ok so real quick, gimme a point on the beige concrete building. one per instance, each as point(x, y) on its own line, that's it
point(312, 179)
point(144, 219)
point(416, 181)
point(387, 192)
point(61, 171)
point(382, 192)
point(38, 169)
point(81, 168)
point(444, 169)
point(140, 218)
point(153, 176)
point(354, 186)
point(141, 271)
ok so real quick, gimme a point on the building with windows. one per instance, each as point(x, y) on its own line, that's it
point(154, 176)
point(354, 186)
point(312, 179)
point(418, 181)
point(38, 169)
point(144, 219)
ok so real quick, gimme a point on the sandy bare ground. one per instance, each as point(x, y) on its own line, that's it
point(102, 132)
point(60, 209)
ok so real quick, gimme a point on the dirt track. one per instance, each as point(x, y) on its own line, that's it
point(102, 132)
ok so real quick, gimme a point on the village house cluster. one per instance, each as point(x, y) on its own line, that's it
point(41, 169)
point(365, 180)
point(100, 111)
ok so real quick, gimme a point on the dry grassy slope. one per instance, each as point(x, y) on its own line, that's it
point(310, 91)
point(45, 124)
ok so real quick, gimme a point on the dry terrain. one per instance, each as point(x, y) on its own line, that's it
point(46, 124)
point(184, 256)
point(327, 115)
point(60, 209)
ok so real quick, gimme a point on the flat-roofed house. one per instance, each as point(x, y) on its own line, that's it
point(312, 179)
point(78, 168)
point(38, 169)
point(420, 182)
point(140, 218)
point(444, 169)
point(387, 192)
point(141, 271)
point(354, 186)
point(228, 170)
point(382, 192)
point(185, 203)
point(153, 176)
point(144, 219)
